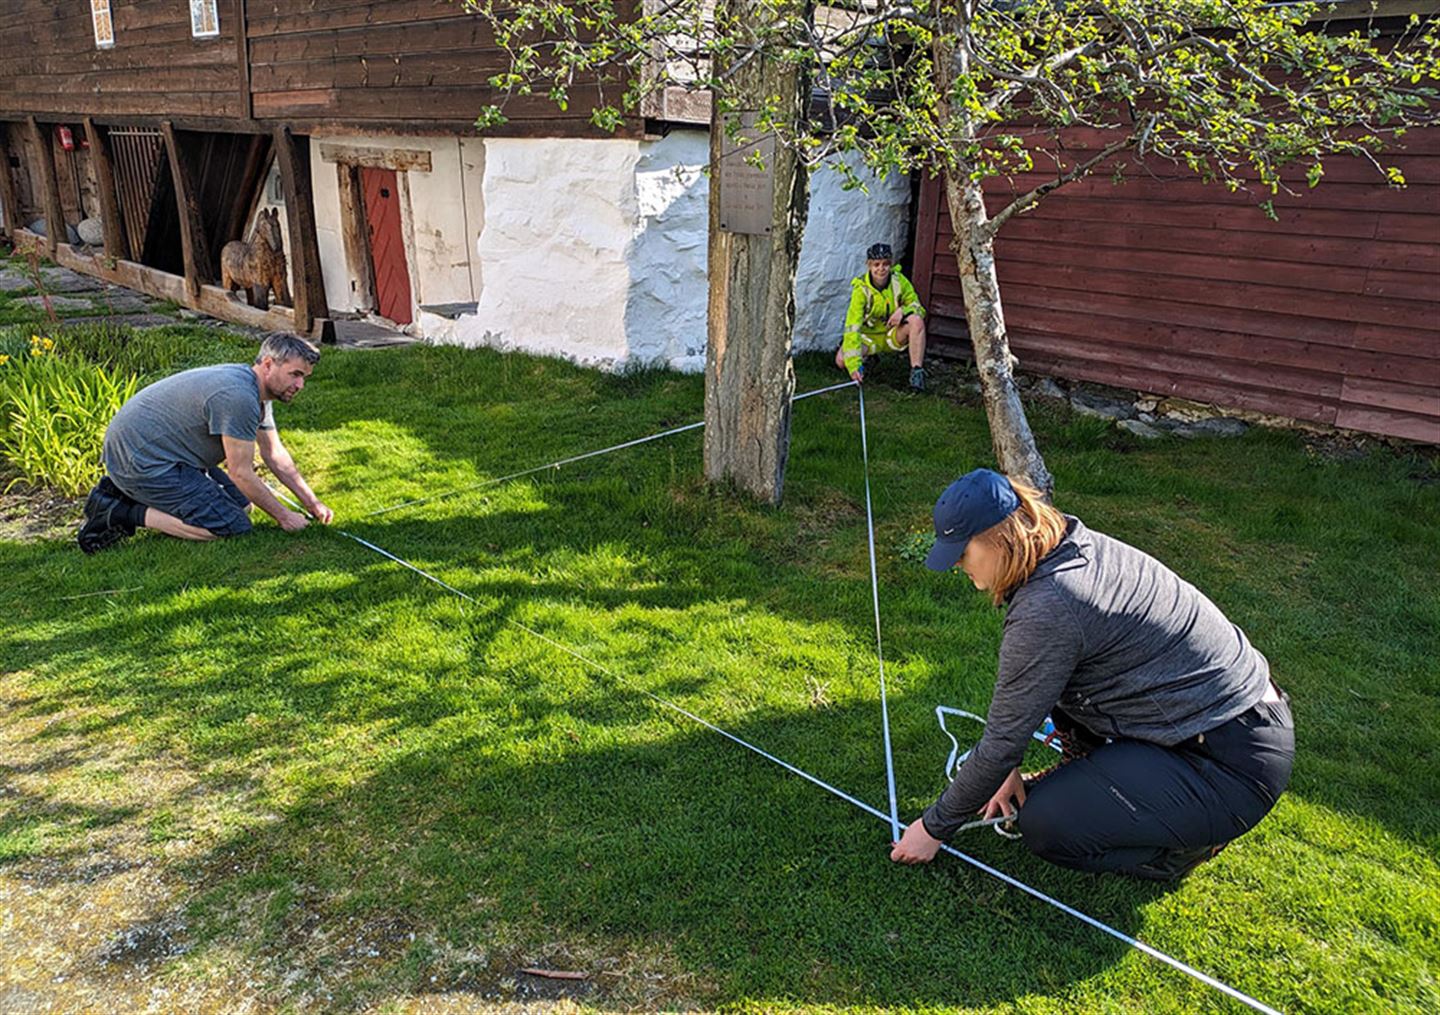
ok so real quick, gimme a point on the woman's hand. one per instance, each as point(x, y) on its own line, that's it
point(896, 318)
point(1007, 799)
point(916, 845)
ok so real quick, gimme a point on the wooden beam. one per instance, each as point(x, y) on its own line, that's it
point(307, 284)
point(44, 180)
point(8, 200)
point(192, 230)
point(105, 183)
point(250, 191)
point(399, 159)
point(356, 239)
point(242, 58)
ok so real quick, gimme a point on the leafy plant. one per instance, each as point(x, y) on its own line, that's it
point(915, 547)
point(53, 414)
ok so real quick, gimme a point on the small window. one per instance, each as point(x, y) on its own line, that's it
point(204, 19)
point(104, 24)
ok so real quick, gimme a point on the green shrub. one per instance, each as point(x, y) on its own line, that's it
point(53, 414)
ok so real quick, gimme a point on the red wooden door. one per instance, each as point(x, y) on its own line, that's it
point(387, 247)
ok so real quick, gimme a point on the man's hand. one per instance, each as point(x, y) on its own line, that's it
point(293, 521)
point(321, 511)
point(916, 845)
point(1007, 799)
point(896, 318)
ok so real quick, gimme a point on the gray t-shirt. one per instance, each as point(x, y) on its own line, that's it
point(179, 421)
point(1119, 641)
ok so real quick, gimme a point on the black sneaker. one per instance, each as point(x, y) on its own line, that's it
point(106, 518)
point(917, 378)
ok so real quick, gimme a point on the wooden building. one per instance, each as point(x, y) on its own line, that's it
point(1327, 312)
point(176, 122)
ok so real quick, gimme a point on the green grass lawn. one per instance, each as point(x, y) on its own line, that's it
point(298, 773)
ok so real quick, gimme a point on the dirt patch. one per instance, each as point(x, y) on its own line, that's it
point(28, 514)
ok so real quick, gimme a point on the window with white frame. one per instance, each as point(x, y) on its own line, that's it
point(204, 19)
point(104, 24)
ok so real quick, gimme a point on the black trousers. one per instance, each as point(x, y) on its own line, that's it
point(1129, 806)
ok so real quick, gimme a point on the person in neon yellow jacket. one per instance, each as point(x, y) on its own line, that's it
point(884, 313)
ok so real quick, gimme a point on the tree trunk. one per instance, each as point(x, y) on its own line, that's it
point(1010, 435)
point(749, 378)
point(973, 245)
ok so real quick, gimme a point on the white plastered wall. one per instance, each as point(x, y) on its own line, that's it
point(594, 250)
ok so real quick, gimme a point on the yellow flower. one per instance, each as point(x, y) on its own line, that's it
point(4, 359)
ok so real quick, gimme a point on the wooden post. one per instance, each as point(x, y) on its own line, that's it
point(45, 181)
point(192, 230)
point(8, 199)
point(105, 183)
point(357, 240)
point(307, 284)
point(242, 58)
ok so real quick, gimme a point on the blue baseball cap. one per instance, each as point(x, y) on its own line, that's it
point(969, 506)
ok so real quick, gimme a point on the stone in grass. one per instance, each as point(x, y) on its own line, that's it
point(1046, 387)
point(63, 280)
point(1219, 427)
point(12, 281)
point(1139, 429)
point(121, 301)
point(60, 304)
point(1088, 404)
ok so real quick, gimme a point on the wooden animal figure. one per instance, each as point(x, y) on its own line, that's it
point(258, 266)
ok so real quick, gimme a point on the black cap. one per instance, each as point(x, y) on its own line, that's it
point(879, 251)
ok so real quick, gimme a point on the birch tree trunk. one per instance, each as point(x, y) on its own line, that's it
point(749, 378)
point(974, 249)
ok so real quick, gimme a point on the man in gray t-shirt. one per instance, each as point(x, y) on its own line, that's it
point(164, 448)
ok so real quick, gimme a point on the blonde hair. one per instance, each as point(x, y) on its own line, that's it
point(1023, 539)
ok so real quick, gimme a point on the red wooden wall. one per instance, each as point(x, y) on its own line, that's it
point(1170, 286)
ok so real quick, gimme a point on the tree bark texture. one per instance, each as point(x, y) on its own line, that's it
point(974, 249)
point(1010, 435)
point(749, 378)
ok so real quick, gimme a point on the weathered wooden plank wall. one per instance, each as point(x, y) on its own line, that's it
point(421, 63)
point(1166, 285)
point(49, 64)
point(315, 66)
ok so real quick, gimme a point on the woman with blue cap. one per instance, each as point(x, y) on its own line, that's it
point(1175, 738)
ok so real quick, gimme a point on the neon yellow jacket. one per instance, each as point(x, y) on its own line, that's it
point(870, 309)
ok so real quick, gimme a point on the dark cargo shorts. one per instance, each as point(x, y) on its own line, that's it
point(204, 498)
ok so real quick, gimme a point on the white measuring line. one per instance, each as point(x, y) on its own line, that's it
point(576, 458)
point(1085, 918)
point(893, 818)
point(879, 650)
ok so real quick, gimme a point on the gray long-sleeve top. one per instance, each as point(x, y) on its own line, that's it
point(1122, 644)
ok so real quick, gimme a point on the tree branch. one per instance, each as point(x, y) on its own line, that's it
point(1032, 198)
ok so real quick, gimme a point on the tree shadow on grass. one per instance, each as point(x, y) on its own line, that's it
point(730, 877)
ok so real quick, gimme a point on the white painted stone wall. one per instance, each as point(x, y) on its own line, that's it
point(594, 250)
point(841, 226)
point(442, 212)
